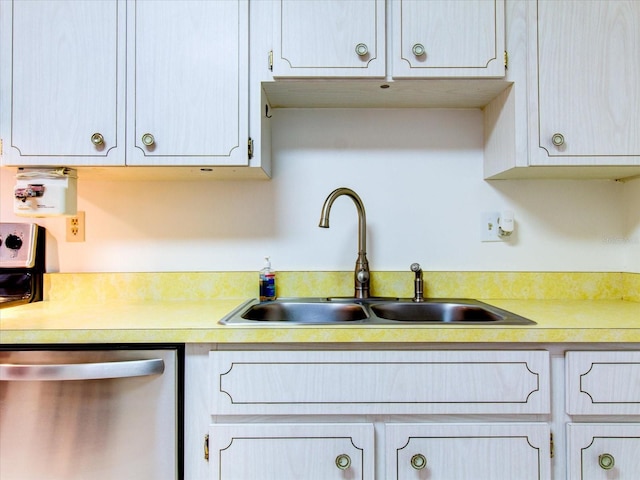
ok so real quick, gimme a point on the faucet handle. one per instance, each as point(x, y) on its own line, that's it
point(415, 267)
point(362, 275)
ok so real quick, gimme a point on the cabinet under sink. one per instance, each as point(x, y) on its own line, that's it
point(361, 414)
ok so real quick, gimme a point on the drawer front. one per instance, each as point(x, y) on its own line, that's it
point(482, 451)
point(386, 382)
point(603, 383)
point(603, 451)
point(291, 452)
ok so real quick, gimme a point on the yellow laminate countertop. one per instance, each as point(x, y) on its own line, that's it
point(196, 321)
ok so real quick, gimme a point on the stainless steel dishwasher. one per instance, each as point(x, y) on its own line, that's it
point(99, 414)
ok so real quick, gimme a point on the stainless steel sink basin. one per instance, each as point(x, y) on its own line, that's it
point(446, 311)
point(307, 311)
point(324, 311)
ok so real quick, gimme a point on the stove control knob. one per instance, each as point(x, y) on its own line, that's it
point(13, 242)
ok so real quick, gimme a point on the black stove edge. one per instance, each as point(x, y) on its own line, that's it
point(38, 270)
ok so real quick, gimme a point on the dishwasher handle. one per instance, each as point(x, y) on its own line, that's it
point(81, 371)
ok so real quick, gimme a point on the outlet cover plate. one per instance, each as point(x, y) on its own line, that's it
point(75, 227)
point(489, 227)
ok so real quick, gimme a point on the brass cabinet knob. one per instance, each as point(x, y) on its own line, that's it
point(418, 50)
point(362, 49)
point(557, 139)
point(606, 461)
point(418, 461)
point(343, 461)
point(97, 139)
point(148, 140)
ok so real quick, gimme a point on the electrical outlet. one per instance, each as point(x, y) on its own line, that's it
point(489, 227)
point(75, 228)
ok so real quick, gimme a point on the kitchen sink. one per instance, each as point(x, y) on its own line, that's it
point(314, 312)
point(446, 311)
point(372, 311)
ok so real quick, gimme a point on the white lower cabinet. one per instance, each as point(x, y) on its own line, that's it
point(467, 451)
point(324, 451)
point(401, 414)
point(319, 415)
point(291, 451)
point(603, 383)
point(606, 384)
point(380, 382)
point(603, 451)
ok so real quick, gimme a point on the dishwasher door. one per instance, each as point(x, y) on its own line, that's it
point(90, 414)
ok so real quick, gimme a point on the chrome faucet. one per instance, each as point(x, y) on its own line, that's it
point(361, 273)
point(417, 283)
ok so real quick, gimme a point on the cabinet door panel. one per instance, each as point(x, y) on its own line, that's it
point(319, 38)
point(291, 452)
point(588, 68)
point(397, 382)
point(588, 444)
point(603, 383)
point(188, 82)
point(483, 451)
point(63, 84)
point(464, 38)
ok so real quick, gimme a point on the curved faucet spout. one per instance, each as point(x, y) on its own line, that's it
point(361, 274)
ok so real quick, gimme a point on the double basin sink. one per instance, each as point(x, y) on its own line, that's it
point(372, 311)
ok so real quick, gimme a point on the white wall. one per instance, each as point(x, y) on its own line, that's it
point(631, 239)
point(419, 173)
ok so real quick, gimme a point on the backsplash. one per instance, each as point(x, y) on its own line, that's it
point(631, 286)
point(104, 287)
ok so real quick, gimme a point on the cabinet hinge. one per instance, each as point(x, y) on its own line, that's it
point(506, 59)
point(271, 60)
point(551, 446)
point(206, 447)
point(250, 148)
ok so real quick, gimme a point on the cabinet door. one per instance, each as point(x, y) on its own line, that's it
point(291, 451)
point(483, 451)
point(603, 383)
point(441, 38)
point(329, 38)
point(603, 451)
point(588, 79)
point(187, 83)
point(62, 81)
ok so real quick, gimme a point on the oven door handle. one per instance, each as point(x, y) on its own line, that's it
point(81, 371)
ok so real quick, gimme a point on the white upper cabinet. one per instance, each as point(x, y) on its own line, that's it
point(188, 84)
point(346, 38)
point(441, 38)
point(575, 98)
point(588, 75)
point(132, 83)
point(336, 53)
point(62, 82)
point(329, 38)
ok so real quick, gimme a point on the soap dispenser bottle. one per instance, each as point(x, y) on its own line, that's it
point(267, 282)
